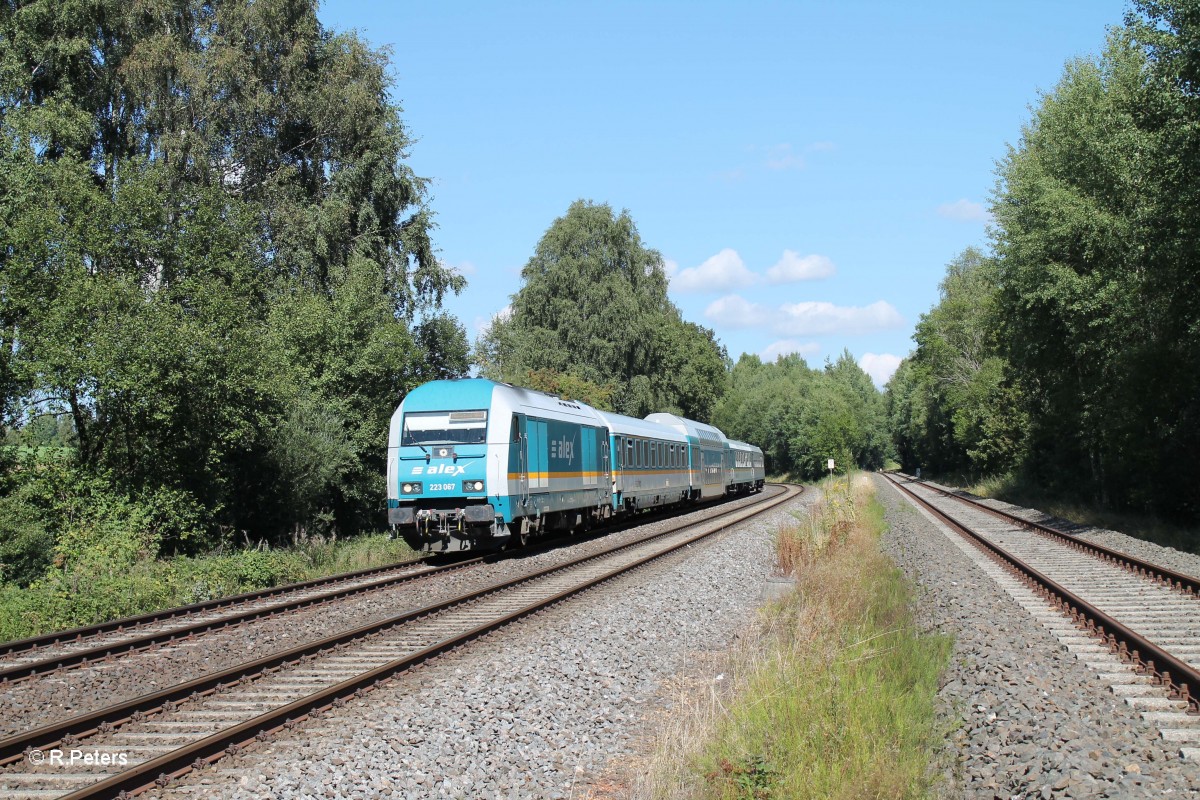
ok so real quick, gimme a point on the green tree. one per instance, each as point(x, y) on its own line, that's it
point(954, 405)
point(593, 305)
point(802, 417)
point(868, 443)
point(1082, 298)
point(1073, 352)
point(215, 253)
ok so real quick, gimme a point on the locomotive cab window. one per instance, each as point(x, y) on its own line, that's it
point(444, 427)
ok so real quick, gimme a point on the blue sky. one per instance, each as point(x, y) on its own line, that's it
point(806, 169)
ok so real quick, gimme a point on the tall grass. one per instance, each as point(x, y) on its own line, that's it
point(91, 592)
point(834, 695)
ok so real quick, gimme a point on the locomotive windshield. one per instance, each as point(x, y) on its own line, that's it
point(444, 427)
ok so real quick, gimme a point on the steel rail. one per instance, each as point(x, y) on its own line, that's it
point(1188, 584)
point(101, 652)
point(117, 625)
point(104, 720)
point(160, 771)
point(1180, 678)
point(80, 658)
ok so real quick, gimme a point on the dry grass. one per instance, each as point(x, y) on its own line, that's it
point(831, 695)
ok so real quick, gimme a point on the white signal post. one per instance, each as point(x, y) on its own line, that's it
point(831, 470)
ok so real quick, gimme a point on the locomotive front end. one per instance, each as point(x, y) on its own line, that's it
point(438, 461)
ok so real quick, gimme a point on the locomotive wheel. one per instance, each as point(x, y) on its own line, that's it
point(520, 533)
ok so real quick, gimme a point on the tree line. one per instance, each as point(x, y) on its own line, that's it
point(219, 280)
point(1070, 353)
point(218, 273)
point(592, 319)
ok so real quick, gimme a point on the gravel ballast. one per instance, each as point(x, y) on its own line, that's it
point(535, 710)
point(25, 705)
point(1169, 557)
point(1026, 718)
point(549, 705)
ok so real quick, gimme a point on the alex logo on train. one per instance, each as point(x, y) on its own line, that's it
point(440, 469)
point(563, 448)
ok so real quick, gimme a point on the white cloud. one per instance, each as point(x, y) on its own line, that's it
point(785, 347)
point(803, 319)
point(725, 270)
point(881, 367)
point(794, 267)
point(670, 267)
point(736, 312)
point(815, 318)
point(781, 157)
point(964, 211)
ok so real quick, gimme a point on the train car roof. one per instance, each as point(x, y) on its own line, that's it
point(734, 444)
point(529, 401)
point(632, 426)
point(480, 393)
point(689, 427)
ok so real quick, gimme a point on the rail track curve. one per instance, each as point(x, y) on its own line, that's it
point(188, 726)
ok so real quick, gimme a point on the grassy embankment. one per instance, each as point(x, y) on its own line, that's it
point(103, 588)
point(834, 697)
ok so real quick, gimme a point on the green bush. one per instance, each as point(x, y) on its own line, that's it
point(54, 515)
point(110, 575)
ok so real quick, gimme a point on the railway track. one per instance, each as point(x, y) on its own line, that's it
point(130, 746)
point(53, 652)
point(88, 645)
point(1125, 610)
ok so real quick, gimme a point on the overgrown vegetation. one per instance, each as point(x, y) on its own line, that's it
point(1070, 355)
point(97, 576)
point(218, 278)
point(834, 698)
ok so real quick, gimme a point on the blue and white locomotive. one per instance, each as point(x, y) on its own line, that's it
point(477, 464)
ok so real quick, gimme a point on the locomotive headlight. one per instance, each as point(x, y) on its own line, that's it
point(472, 486)
point(410, 488)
